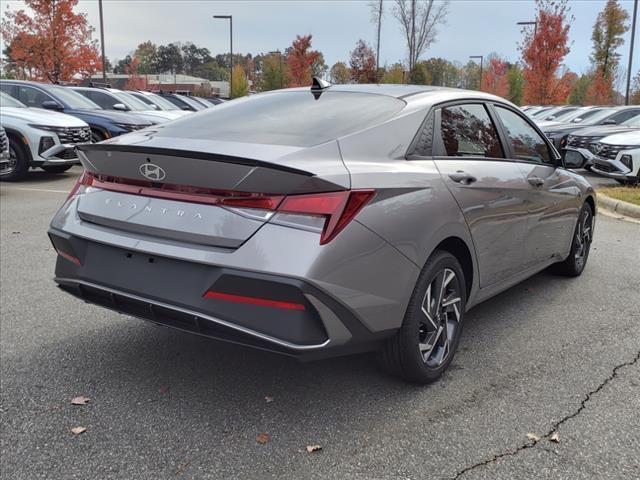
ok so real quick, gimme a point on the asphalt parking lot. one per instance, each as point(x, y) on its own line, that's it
point(552, 355)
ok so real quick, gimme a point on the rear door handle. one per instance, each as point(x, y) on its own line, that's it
point(536, 181)
point(462, 177)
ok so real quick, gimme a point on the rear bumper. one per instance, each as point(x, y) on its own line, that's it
point(172, 292)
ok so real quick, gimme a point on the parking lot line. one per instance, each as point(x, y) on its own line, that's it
point(35, 189)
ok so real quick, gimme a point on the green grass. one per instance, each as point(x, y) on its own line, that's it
point(627, 194)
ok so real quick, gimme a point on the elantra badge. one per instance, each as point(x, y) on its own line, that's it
point(152, 172)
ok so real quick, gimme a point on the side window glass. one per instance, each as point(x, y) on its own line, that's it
point(624, 115)
point(105, 101)
point(467, 130)
point(32, 97)
point(527, 143)
point(9, 89)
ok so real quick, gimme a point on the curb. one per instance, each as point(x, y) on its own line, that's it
point(618, 206)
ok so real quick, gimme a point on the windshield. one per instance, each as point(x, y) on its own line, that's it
point(568, 116)
point(286, 118)
point(132, 102)
point(543, 111)
point(72, 99)
point(190, 102)
point(632, 122)
point(598, 117)
point(163, 103)
point(7, 100)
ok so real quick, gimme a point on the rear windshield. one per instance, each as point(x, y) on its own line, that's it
point(286, 118)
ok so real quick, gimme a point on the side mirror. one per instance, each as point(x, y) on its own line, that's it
point(577, 120)
point(52, 105)
point(573, 160)
point(155, 107)
point(609, 121)
point(120, 106)
point(186, 108)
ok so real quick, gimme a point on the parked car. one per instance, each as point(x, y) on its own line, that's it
point(325, 221)
point(575, 116)
point(202, 101)
point(114, 99)
point(607, 116)
point(159, 103)
point(183, 102)
point(618, 156)
point(38, 138)
point(103, 123)
point(555, 113)
point(579, 142)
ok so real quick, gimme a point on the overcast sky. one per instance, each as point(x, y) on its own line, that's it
point(474, 27)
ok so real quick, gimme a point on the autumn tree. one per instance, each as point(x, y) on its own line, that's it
point(470, 76)
point(543, 52)
point(607, 37)
point(239, 81)
point(339, 73)
point(515, 81)
point(494, 77)
point(579, 90)
point(441, 72)
point(147, 56)
point(363, 63)
point(300, 58)
point(53, 43)
point(634, 96)
point(274, 72)
point(135, 81)
point(170, 58)
point(419, 21)
point(393, 74)
point(419, 75)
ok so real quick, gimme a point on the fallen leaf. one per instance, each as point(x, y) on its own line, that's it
point(262, 438)
point(555, 438)
point(268, 399)
point(78, 430)
point(182, 468)
point(533, 437)
point(164, 389)
point(313, 448)
point(80, 400)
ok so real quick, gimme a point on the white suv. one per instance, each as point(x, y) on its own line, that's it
point(39, 138)
point(618, 156)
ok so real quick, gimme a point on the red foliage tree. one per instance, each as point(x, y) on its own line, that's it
point(600, 92)
point(54, 44)
point(494, 78)
point(135, 81)
point(543, 52)
point(363, 63)
point(300, 57)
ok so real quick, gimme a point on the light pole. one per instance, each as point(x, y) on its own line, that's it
point(481, 58)
point(535, 26)
point(230, 18)
point(104, 60)
point(279, 53)
point(633, 36)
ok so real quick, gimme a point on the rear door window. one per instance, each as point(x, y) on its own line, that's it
point(468, 131)
point(528, 145)
point(32, 97)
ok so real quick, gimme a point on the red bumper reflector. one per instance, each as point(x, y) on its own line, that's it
point(71, 258)
point(263, 302)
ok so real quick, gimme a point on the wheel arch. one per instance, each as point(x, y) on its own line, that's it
point(18, 137)
point(457, 247)
point(592, 203)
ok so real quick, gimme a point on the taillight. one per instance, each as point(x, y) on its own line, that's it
point(336, 208)
point(327, 213)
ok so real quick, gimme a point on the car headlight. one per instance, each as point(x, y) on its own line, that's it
point(48, 128)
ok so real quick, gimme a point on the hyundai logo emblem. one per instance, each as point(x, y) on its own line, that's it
point(152, 172)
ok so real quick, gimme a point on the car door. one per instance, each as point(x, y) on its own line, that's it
point(551, 192)
point(490, 190)
point(105, 100)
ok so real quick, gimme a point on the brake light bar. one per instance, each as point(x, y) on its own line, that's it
point(337, 208)
point(262, 302)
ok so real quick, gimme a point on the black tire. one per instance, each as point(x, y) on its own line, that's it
point(407, 353)
point(56, 168)
point(96, 136)
point(19, 159)
point(574, 264)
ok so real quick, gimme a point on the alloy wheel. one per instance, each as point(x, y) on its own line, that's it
point(8, 167)
point(583, 236)
point(440, 318)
